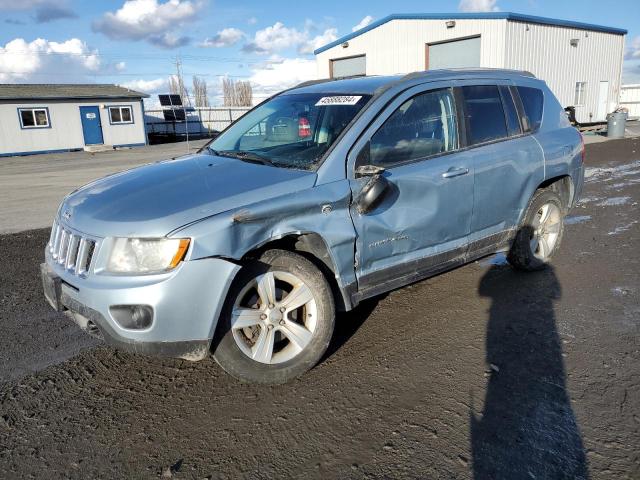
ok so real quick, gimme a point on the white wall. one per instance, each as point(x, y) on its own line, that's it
point(66, 126)
point(399, 46)
point(546, 52)
point(630, 98)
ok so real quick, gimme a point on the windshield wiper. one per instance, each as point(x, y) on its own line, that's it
point(246, 156)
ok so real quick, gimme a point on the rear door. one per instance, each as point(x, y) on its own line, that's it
point(424, 219)
point(507, 162)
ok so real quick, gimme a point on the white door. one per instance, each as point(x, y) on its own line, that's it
point(454, 54)
point(349, 66)
point(603, 101)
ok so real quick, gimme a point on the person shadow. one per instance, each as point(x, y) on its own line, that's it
point(527, 428)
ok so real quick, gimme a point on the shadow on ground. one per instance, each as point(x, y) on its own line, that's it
point(527, 428)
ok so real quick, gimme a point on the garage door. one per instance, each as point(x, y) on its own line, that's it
point(349, 67)
point(454, 54)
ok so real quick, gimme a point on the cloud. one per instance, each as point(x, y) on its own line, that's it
point(42, 61)
point(633, 49)
point(224, 38)
point(278, 37)
point(280, 73)
point(157, 85)
point(14, 21)
point(329, 35)
point(252, 20)
point(478, 6)
point(169, 40)
point(44, 10)
point(363, 23)
point(150, 20)
point(49, 13)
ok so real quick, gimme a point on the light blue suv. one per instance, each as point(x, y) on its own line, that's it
point(322, 196)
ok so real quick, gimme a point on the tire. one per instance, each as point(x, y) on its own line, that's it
point(538, 238)
point(259, 343)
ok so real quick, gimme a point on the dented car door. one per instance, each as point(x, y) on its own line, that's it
point(418, 218)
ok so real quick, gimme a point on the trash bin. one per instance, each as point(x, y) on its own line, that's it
point(616, 123)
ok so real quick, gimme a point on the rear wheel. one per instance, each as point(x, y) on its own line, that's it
point(541, 233)
point(277, 321)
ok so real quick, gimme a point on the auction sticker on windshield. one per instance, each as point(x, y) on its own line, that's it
point(338, 100)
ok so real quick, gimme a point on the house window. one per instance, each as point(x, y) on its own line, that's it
point(34, 117)
point(119, 115)
point(580, 88)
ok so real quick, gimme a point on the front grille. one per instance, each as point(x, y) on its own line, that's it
point(71, 250)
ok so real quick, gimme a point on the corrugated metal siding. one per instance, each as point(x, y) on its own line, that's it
point(630, 98)
point(399, 46)
point(547, 53)
point(66, 126)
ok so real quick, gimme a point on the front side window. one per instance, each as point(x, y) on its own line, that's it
point(484, 114)
point(120, 115)
point(578, 101)
point(34, 117)
point(291, 131)
point(423, 126)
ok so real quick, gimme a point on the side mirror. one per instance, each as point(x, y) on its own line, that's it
point(373, 191)
point(368, 170)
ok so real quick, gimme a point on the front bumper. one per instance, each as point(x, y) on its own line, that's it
point(186, 304)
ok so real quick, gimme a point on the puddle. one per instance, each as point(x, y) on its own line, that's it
point(609, 202)
point(589, 200)
point(573, 219)
point(497, 259)
point(621, 291)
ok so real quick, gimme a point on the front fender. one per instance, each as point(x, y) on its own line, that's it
point(322, 209)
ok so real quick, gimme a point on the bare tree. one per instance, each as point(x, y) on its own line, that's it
point(236, 93)
point(200, 92)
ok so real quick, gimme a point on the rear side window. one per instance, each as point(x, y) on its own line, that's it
point(484, 114)
point(532, 102)
point(511, 113)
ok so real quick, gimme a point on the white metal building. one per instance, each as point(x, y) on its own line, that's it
point(38, 118)
point(581, 63)
point(630, 99)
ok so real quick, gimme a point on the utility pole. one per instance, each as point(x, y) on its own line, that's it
point(183, 95)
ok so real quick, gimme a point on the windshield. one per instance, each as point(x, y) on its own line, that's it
point(291, 131)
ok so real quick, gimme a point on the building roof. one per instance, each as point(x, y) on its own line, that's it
point(515, 17)
point(60, 91)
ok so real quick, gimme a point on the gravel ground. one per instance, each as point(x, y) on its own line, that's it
point(482, 372)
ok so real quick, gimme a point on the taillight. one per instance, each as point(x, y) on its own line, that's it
point(304, 128)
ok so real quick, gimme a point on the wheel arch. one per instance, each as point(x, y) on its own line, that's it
point(313, 247)
point(563, 186)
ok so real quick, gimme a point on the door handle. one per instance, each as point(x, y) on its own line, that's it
point(455, 172)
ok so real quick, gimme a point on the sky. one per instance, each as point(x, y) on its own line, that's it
point(136, 43)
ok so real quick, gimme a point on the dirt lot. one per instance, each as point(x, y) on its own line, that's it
point(481, 372)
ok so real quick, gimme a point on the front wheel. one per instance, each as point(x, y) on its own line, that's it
point(540, 235)
point(277, 321)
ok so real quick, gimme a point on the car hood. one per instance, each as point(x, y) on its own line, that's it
point(155, 199)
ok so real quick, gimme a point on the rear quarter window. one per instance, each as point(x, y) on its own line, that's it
point(532, 102)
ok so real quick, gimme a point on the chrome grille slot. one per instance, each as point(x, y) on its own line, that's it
point(72, 250)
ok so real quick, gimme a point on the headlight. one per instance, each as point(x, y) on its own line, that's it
point(146, 255)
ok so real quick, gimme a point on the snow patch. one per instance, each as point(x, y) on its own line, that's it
point(609, 202)
point(572, 220)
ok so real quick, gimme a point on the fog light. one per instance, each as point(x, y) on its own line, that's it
point(132, 317)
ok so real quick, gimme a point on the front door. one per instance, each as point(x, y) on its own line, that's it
point(91, 125)
point(603, 101)
point(423, 220)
